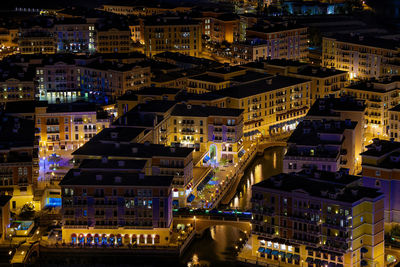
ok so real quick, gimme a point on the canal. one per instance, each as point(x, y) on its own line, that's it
point(217, 244)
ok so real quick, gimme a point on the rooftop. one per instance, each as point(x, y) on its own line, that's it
point(119, 134)
point(331, 106)
point(4, 199)
point(113, 164)
point(105, 178)
point(319, 72)
point(131, 150)
point(366, 40)
point(380, 147)
point(204, 111)
point(149, 91)
point(261, 86)
point(16, 132)
point(323, 188)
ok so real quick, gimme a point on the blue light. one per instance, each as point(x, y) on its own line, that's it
point(53, 202)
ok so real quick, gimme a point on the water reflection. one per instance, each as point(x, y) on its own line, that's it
point(217, 244)
point(262, 168)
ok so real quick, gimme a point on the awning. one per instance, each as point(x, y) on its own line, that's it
point(364, 263)
point(268, 251)
point(296, 257)
point(205, 181)
point(275, 253)
point(241, 153)
point(206, 158)
point(310, 260)
point(251, 133)
point(261, 250)
point(190, 198)
point(289, 255)
point(281, 253)
point(364, 250)
point(331, 264)
point(317, 261)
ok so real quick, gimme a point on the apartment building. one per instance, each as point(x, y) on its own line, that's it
point(113, 39)
point(16, 83)
point(326, 145)
point(380, 96)
point(62, 128)
point(172, 34)
point(324, 81)
point(342, 109)
point(221, 27)
point(92, 213)
point(363, 57)
point(380, 171)
point(214, 131)
point(19, 167)
point(36, 40)
point(74, 35)
point(271, 106)
point(284, 42)
point(5, 215)
point(394, 123)
point(317, 217)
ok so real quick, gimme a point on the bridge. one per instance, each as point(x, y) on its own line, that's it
point(204, 219)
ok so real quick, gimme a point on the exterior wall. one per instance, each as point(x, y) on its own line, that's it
point(75, 38)
point(113, 41)
point(5, 219)
point(16, 90)
point(394, 125)
point(361, 61)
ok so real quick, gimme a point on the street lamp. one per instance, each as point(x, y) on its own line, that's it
point(194, 218)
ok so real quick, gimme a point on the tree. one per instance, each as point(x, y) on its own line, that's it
point(27, 211)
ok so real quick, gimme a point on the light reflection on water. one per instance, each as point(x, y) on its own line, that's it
point(217, 244)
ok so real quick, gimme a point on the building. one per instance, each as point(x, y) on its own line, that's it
point(172, 34)
point(36, 40)
point(63, 128)
point(17, 83)
point(394, 123)
point(221, 27)
point(108, 202)
point(215, 132)
point(284, 42)
point(74, 35)
point(380, 95)
point(342, 109)
point(131, 98)
point(113, 39)
point(327, 145)
point(19, 168)
point(380, 171)
point(5, 215)
point(317, 217)
point(273, 105)
point(324, 81)
point(250, 50)
point(363, 57)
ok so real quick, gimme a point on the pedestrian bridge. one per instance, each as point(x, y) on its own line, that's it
point(261, 146)
point(207, 219)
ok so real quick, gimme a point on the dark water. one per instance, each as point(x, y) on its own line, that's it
point(217, 244)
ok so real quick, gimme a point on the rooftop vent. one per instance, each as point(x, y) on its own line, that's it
point(77, 173)
point(104, 160)
point(121, 163)
point(117, 179)
point(134, 150)
point(269, 81)
point(324, 193)
point(172, 149)
point(189, 106)
point(354, 192)
point(99, 177)
point(141, 175)
point(114, 135)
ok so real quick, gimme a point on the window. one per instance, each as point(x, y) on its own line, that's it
point(378, 173)
point(378, 183)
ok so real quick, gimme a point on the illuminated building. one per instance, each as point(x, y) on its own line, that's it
point(273, 105)
point(186, 62)
point(5, 216)
point(19, 161)
point(16, 84)
point(362, 57)
point(66, 127)
point(324, 81)
point(394, 123)
point(125, 141)
point(173, 34)
point(74, 35)
point(221, 27)
point(380, 96)
point(327, 145)
point(342, 109)
point(107, 202)
point(321, 218)
point(284, 42)
point(113, 39)
point(143, 11)
point(8, 37)
point(212, 130)
point(380, 170)
point(36, 40)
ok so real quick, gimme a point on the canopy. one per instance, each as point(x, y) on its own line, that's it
point(310, 260)
point(275, 252)
point(261, 250)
